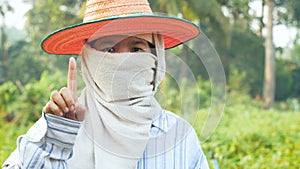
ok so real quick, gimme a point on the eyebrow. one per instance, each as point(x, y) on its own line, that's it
point(106, 42)
point(139, 42)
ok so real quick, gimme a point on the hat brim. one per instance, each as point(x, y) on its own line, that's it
point(70, 40)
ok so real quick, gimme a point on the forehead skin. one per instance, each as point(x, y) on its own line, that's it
point(120, 40)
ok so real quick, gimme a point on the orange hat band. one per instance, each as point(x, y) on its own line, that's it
point(119, 17)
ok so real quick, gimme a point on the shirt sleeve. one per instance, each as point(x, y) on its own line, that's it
point(199, 160)
point(47, 144)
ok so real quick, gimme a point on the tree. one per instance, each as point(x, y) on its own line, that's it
point(207, 14)
point(290, 13)
point(269, 74)
point(246, 50)
point(17, 61)
point(4, 45)
point(46, 17)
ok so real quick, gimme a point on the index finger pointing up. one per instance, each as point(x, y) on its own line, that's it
point(72, 78)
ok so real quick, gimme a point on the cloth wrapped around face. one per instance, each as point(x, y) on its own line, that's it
point(119, 96)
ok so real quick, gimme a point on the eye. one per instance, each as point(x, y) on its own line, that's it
point(137, 50)
point(109, 49)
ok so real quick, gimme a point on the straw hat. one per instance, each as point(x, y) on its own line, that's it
point(111, 17)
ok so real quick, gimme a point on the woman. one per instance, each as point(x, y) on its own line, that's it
point(116, 122)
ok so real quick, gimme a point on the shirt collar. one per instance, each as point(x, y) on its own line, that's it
point(161, 122)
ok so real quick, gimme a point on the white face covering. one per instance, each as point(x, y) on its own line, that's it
point(120, 76)
point(119, 96)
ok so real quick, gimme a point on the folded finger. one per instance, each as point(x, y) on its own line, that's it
point(58, 99)
point(68, 99)
point(52, 108)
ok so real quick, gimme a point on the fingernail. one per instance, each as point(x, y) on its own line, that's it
point(72, 108)
point(66, 109)
point(61, 113)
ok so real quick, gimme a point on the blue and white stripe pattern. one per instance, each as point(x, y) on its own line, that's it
point(49, 144)
point(173, 145)
point(51, 150)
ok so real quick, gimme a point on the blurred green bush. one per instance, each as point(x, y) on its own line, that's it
point(248, 137)
point(23, 104)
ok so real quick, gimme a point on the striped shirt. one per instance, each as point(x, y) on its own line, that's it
point(50, 141)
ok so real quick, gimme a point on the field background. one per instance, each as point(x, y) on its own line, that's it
point(247, 132)
point(247, 136)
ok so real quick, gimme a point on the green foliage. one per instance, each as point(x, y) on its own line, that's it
point(238, 46)
point(246, 137)
point(284, 79)
point(47, 16)
point(237, 81)
point(291, 14)
point(249, 137)
point(295, 51)
point(181, 97)
point(44, 18)
point(249, 58)
point(17, 70)
point(23, 104)
point(9, 132)
point(212, 21)
point(8, 95)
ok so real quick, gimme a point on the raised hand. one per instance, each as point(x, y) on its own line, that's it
point(64, 103)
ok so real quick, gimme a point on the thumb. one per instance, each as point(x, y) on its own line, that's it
point(80, 112)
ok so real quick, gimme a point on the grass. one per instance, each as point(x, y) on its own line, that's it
point(256, 139)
